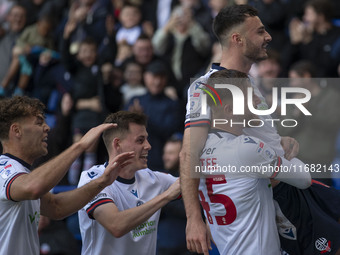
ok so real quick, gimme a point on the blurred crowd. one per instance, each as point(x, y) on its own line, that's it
point(86, 58)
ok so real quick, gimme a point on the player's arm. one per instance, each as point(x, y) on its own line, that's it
point(118, 223)
point(196, 232)
point(266, 163)
point(297, 174)
point(64, 204)
point(40, 181)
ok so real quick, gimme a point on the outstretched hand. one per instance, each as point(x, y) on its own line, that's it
point(115, 166)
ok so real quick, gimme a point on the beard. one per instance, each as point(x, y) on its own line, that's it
point(254, 53)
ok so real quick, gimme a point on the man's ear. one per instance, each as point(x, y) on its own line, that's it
point(116, 144)
point(237, 38)
point(15, 130)
point(228, 109)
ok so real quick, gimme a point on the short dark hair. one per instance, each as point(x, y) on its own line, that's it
point(226, 76)
point(89, 41)
point(17, 108)
point(143, 36)
point(123, 120)
point(230, 17)
point(132, 5)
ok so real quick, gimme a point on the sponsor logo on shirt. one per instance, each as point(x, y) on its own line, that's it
point(34, 218)
point(145, 228)
point(192, 115)
point(100, 195)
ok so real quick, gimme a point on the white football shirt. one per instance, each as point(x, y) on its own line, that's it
point(18, 220)
point(124, 194)
point(194, 116)
point(239, 205)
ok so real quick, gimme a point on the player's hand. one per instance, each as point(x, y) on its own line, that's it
point(115, 167)
point(93, 134)
point(174, 190)
point(197, 236)
point(290, 147)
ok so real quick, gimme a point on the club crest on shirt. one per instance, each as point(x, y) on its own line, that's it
point(323, 245)
point(139, 203)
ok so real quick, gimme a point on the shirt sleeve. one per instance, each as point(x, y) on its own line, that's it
point(262, 161)
point(101, 198)
point(196, 113)
point(8, 173)
point(165, 179)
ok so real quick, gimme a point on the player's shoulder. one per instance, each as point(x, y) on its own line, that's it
point(202, 79)
point(254, 149)
point(148, 173)
point(154, 176)
point(10, 167)
point(92, 173)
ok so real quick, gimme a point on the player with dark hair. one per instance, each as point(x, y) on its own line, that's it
point(123, 218)
point(244, 40)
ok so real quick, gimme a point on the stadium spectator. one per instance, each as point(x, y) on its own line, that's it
point(86, 92)
point(16, 20)
point(312, 38)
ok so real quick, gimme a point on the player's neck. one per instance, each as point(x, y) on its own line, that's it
point(18, 153)
point(127, 174)
point(235, 62)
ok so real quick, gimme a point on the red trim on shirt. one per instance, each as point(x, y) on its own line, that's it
point(320, 183)
point(277, 167)
point(8, 187)
point(90, 210)
point(198, 123)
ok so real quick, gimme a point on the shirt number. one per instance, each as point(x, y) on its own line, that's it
point(226, 201)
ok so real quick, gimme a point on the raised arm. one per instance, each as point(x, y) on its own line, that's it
point(40, 181)
point(118, 223)
point(196, 232)
point(65, 203)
